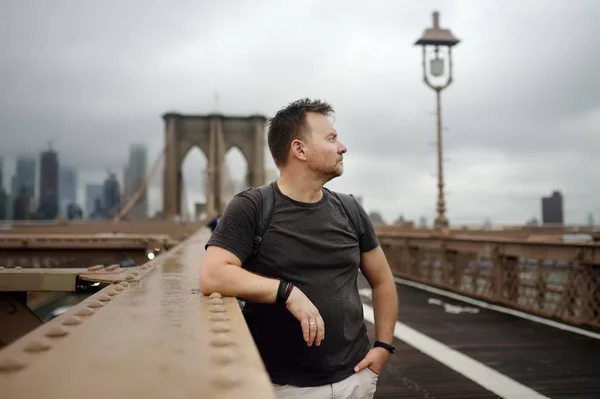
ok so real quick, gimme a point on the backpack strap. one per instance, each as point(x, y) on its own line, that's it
point(351, 208)
point(265, 211)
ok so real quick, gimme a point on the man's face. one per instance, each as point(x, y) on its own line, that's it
point(324, 152)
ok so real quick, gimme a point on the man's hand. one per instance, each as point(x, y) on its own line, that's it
point(308, 315)
point(375, 360)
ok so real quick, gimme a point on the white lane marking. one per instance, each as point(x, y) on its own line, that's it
point(479, 373)
point(486, 305)
point(452, 309)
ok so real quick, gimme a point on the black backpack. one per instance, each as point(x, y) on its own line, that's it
point(265, 211)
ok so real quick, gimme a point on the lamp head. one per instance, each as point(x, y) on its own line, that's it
point(436, 36)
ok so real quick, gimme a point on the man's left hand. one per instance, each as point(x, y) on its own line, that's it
point(375, 360)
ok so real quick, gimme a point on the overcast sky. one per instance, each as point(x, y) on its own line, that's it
point(522, 117)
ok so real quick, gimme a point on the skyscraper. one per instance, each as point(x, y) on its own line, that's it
point(22, 196)
point(3, 194)
point(94, 201)
point(48, 184)
point(67, 188)
point(24, 182)
point(135, 173)
point(552, 209)
point(112, 195)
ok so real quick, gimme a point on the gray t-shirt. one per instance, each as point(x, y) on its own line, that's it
point(315, 246)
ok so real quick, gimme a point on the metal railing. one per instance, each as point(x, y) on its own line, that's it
point(552, 279)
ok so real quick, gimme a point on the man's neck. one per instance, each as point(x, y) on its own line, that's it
point(300, 188)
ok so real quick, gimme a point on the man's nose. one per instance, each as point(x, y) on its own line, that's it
point(342, 149)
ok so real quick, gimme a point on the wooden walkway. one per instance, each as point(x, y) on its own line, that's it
point(508, 355)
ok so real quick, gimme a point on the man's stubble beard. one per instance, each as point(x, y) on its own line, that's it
point(330, 173)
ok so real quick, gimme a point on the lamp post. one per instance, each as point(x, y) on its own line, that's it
point(438, 38)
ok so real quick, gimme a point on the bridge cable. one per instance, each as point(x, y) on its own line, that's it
point(136, 196)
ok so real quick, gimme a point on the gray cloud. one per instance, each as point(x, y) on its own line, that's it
point(521, 117)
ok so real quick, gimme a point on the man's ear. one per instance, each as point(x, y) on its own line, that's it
point(298, 149)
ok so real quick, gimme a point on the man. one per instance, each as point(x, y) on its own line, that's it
point(311, 243)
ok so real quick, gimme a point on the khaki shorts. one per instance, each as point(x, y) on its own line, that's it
point(361, 385)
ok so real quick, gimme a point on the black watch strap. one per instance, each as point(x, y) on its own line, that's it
point(383, 345)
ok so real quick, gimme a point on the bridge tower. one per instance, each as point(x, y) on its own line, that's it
point(213, 134)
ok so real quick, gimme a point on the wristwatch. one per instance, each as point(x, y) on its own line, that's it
point(383, 345)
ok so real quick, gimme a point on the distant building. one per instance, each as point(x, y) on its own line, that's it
point(112, 195)
point(24, 179)
point(67, 188)
point(4, 199)
point(48, 208)
point(134, 176)
point(74, 211)
point(552, 209)
point(21, 207)
point(94, 199)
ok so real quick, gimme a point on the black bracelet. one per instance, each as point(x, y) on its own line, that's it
point(288, 291)
point(281, 292)
point(383, 345)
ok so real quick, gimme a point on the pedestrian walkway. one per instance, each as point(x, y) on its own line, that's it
point(448, 348)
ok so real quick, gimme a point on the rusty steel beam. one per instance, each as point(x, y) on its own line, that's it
point(558, 251)
point(85, 241)
point(16, 319)
point(19, 279)
point(176, 230)
point(152, 335)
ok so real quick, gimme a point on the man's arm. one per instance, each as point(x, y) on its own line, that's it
point(228, 247)
point(376, 270)
point(221, 271)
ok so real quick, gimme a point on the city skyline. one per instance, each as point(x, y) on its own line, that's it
point(520, 118)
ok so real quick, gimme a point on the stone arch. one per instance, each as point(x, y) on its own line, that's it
point(238, 179)
point(193, 173)
point(214, 135)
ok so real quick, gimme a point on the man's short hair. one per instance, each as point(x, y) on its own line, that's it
point(289, 124)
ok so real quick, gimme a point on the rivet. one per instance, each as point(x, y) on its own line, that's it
point(103, 298)
point(226, 379)
point(56, 331)
point(215, 301)
point(37, 346)
point(219, 317)
point(136, 273)
point(95, 304)
point(221, 340)
point(85, 311)
point(145, 267)
point(11, 364)
point(215, 295)
point(223, 356)
point(118, 288)
point(216, 308)
point(18, 268)
point(129, 277)
point(72, 321)
point(113, 292)
point(95, 268)
point(125, 284)
point(112, 268)
point(220, 327)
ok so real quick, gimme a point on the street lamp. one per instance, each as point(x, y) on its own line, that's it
point(437, 38)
